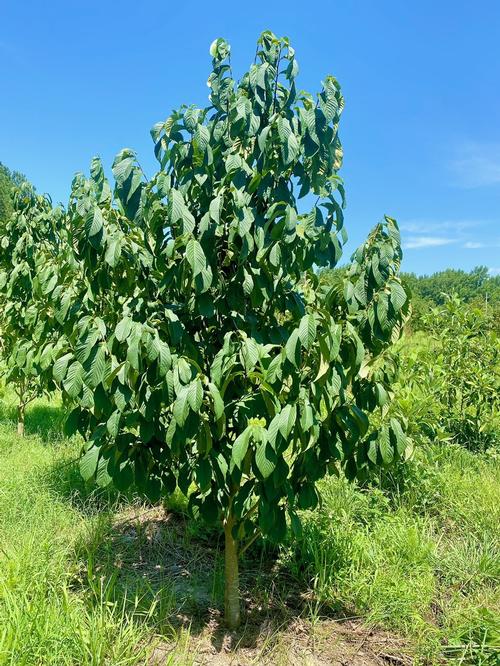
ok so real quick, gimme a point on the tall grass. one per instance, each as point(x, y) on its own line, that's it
point(423, 559)
point(43, 618)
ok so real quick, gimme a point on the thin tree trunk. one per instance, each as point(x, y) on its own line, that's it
point(232, 586)
point(20, 419)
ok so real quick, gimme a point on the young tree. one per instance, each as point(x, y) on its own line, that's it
point(199, 348)
point(25, 325)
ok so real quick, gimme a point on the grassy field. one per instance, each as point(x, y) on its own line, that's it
point(403, 572)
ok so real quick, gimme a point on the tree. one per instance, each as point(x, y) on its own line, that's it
point(198, 347)
point(26, 328)
point(9, 180)
point(436, 288)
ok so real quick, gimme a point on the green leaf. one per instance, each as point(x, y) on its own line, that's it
point(177, 205)
point(72, 422)
point(292, 348)
point(307, 497)
point(215, 208)
point(289, 143)
point(250, 352)
point(372, 451)
point(307, 330)
point(97, 369)
point(73, 383)
point(181, 406)
point(103, 479)
point(113, 252)
point(133, 342)
point(203, 474)
point(94, 222)
point(123, 329)
point(398, 296)
point(385, 447)
point(240, 447)
point(113, 423)
point(399, 436)
point(287, 419)
point(217, 399)
point(60, 367)
point(202, 137)
point(123, 477)
point(265, 459)
point(195, 395)
point(164, 357)
point(382, 312)
point(88, 463)
point(195, 256)
point(247, 283)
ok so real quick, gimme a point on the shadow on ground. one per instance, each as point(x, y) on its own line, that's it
point(43, 420)
point(46, 421)
point(167, 571)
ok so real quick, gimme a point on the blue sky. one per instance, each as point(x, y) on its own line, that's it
point(421, 128)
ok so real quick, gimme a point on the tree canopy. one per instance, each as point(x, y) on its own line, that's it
point(9, 180)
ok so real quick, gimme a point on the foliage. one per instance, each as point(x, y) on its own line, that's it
point(450, 384)
point(9, 180)
point(26, 326)
point(196, 344)
point(476, 287)
point(468, 286)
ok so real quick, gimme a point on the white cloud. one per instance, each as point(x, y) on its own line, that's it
point(426, 226)
point(422, 233)
point(494, 271)
point(419, 242)
point(473, 245)
point(477, 164)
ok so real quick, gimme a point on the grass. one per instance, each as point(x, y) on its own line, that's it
point(93, 578)
point(428, 568)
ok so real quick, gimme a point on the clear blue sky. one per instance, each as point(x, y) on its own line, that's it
point(421, 128)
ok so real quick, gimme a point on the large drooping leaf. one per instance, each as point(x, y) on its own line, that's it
point(195, 256)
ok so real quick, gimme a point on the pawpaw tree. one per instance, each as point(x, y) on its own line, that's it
point(199, 350)
point(28, 342)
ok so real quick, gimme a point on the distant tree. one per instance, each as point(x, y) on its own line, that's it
point(467, 286)
point(9, 180)
point(25, 326)
point(460, 372)
point(475, 287)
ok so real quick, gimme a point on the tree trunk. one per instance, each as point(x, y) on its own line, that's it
point(20, 419)
point(232, 585)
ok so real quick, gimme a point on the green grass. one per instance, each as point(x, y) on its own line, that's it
point(44, 619)
point(423, 559)
point(82, 582)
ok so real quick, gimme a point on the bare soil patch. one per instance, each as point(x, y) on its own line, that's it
point(154, 544)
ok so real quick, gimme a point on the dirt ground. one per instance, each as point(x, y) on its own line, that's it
point(328, 643)
point(280, 638)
